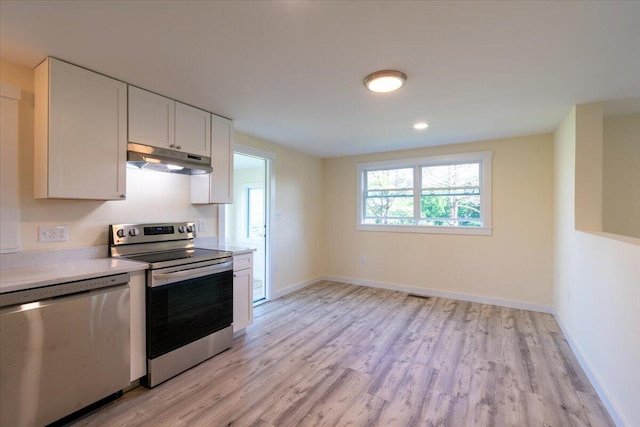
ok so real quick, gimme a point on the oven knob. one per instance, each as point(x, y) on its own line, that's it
point(190, 228)
point(182, 229)
point(120, 233)
point(134, 232)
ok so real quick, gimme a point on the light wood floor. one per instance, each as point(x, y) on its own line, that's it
point(338, 354)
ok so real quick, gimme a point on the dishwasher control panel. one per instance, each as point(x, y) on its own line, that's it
point(55, 291)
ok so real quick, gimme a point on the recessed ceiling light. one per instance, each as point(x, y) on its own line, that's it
point(385, 81)
point(420, 126)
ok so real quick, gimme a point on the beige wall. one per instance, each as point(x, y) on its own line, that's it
point(151, 196)
point(514, 264)
point(296, 238)
point(588, 180)
point(596, 278)
point(621, 175)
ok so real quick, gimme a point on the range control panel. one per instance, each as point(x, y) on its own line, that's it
point(125, 234)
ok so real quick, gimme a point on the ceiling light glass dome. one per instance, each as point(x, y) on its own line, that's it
point(385, 81)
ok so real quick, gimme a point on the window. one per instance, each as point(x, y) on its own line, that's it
point(439, 194)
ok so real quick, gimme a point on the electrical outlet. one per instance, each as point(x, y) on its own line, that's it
point(201, 226)
point(363, 259)
point(55, 233)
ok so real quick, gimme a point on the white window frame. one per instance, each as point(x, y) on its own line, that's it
point(482, 157)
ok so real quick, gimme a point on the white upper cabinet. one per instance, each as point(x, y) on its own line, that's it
point(151, 118)
point(193, 130)
point(217, 187)
point(162, 122)
point(221, 160)
point(80, 135)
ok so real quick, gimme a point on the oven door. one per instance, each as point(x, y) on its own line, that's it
point(184, 305)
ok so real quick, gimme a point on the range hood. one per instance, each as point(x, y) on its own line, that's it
point(165, 160)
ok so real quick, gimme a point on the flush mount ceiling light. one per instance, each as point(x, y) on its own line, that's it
point(420, 126)
point(385, 81)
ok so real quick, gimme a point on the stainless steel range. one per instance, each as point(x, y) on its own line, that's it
point(189, 295)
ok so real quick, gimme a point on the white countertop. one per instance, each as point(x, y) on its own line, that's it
point(235, 250)
point(51, 268)
point(15, 279)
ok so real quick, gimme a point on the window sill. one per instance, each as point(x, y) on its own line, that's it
point(469, 231)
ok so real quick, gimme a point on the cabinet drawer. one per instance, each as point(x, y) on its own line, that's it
point(242, 262)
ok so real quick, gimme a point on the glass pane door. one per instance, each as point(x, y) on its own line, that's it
point(246, 218)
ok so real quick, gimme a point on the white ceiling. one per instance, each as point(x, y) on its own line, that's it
point(291, 72)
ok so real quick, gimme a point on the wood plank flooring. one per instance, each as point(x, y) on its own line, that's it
point(342, 355)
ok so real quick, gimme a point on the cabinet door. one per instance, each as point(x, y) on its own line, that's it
point(217, 187)
point(221, 160)
point(242, 299)
point(193, 130)
point(81, 133)
point(151, 118)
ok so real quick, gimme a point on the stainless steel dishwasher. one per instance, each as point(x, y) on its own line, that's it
point(62, 348)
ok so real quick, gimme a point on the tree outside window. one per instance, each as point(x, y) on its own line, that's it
point(451, 195)
point(390, 196)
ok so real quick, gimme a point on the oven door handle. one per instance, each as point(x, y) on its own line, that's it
point(160, 279)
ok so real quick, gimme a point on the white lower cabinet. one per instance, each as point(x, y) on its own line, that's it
point(242, 292)
point(137, 288)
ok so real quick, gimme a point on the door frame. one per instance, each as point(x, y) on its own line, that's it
point(269, 187)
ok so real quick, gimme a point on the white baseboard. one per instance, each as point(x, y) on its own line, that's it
point(604, 395)
point(452, 295)
point(282, 292)
point(418, 291)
